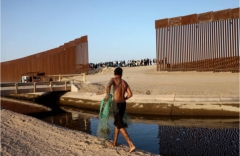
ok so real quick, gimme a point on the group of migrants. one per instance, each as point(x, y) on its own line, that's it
point(123, 63)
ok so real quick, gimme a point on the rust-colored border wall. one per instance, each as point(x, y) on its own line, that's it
point(198, 18)
point(199, 42)
point(69, 58)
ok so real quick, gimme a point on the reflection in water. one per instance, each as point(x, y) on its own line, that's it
point(198, 141)
point(161, 136)
point(21, 107)
point(66, 120)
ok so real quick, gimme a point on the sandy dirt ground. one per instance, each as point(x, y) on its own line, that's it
point(146, 80)
point(23, 135)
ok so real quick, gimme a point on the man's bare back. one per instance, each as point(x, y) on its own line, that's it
point(120, 87)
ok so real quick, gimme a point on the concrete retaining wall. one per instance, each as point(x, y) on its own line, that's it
point(169, 105)
point(163, 104)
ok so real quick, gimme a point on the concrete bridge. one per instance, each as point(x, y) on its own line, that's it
point(33, 87)
point(59, 83)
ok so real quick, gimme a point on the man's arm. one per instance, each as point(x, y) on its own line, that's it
point(129, 93)
point(108, 88)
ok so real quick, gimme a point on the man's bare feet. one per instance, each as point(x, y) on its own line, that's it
point(131, 149)
point(110, 144)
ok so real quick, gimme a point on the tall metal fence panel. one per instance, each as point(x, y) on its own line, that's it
point(69, 58)
point(199, 42)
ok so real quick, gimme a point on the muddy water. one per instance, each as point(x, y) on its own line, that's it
point(160, 135)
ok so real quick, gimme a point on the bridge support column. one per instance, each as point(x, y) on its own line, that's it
point(84, 77)
point(16, 88)
point(34, 87)
point(65, 85)
point(50, 86)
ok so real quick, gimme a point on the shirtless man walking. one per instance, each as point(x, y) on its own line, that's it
point(120, 88)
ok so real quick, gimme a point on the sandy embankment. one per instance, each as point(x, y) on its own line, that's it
point(145, 79)
point(24, 135)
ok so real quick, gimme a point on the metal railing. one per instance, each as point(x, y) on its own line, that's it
point(33, 87)
point(69, 77)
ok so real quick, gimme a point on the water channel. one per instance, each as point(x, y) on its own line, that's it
point(159, 135)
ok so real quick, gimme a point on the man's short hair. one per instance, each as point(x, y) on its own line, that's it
point(118, 71)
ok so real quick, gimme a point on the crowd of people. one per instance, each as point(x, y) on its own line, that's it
point(123, 63)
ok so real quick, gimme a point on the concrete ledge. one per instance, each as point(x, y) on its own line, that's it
point(195, 98)
point(168, 105)
point(151, 98)
point(206, 109)
point(226, 98)
point(173, 105)
point(160, 98)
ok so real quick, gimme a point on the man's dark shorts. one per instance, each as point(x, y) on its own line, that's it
point(118, 118)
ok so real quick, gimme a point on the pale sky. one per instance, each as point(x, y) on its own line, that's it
point(116, 30)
